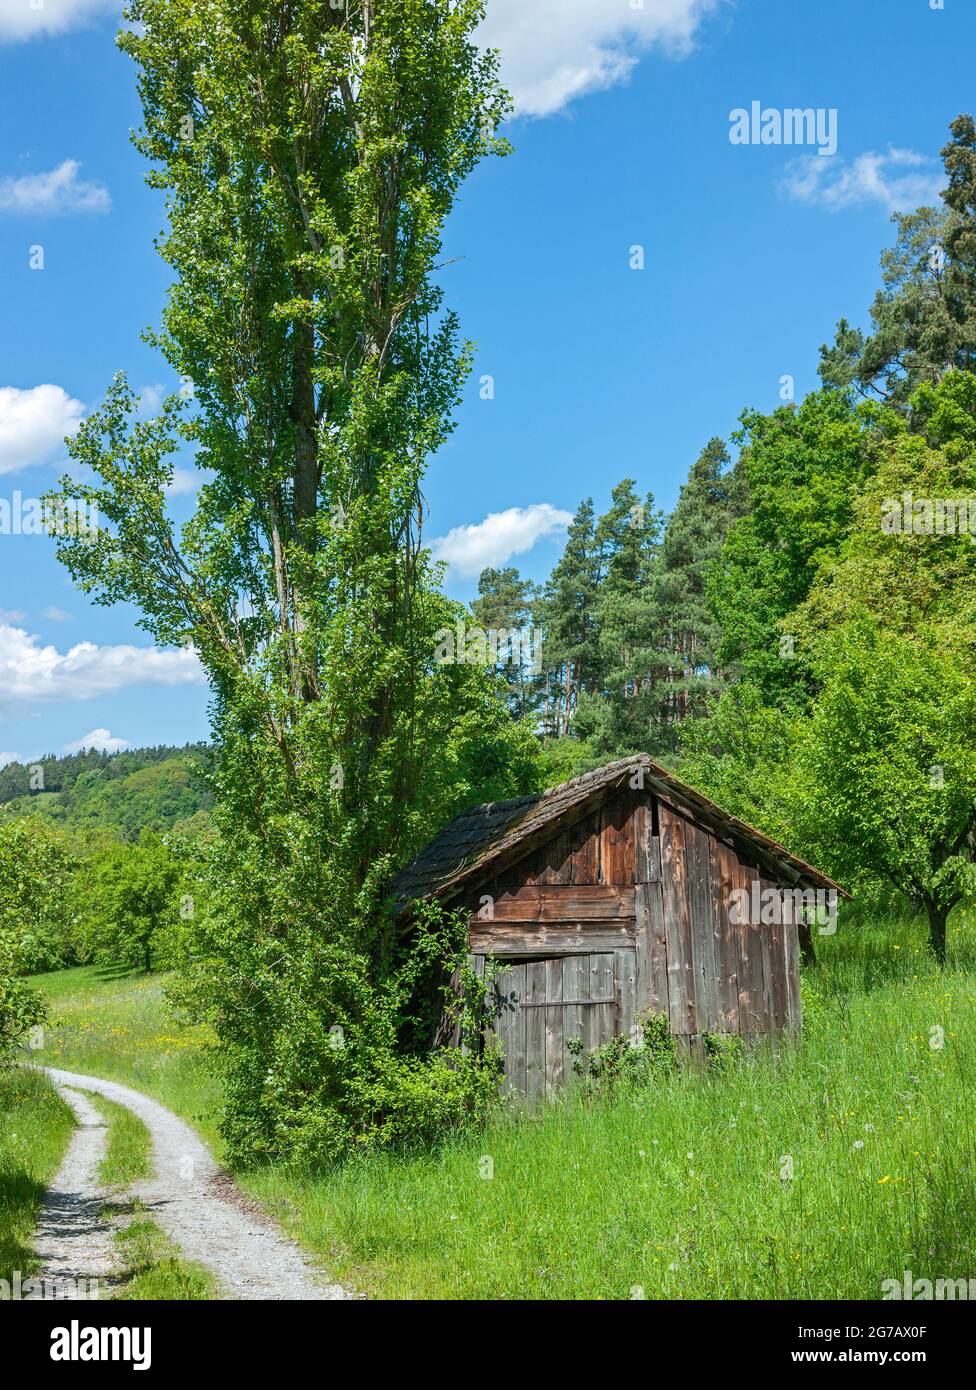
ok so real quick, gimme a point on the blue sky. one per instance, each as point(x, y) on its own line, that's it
point(599, 371)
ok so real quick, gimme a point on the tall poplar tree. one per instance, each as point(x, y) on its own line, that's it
point(309, 153)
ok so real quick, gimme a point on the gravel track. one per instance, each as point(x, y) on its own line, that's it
point(73, 1240)
point(189, 1196)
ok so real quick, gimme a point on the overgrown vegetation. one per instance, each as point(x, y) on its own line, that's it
point(812, 1172)
point(35, 1127)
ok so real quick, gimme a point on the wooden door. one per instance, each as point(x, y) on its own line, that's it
point(541, 1004)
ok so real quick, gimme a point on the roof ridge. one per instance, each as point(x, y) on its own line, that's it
point(594, 773)
point(478, 835)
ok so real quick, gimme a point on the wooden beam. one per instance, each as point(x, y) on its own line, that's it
point(507, 939)
point(543, 903)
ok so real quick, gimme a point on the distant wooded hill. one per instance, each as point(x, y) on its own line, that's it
point(144, 788)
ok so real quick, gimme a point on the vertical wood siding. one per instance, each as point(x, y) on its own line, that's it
point(679, 954)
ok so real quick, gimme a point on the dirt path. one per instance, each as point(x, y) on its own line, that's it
point(73, 1241)
point(195, 1203)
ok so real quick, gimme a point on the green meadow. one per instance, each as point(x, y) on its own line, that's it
point(810, 1172)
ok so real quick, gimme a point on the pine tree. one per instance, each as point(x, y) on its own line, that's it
point(924, 317)
point(567, 613)
point(620, 712)
point(709, 502)
point(504, 605)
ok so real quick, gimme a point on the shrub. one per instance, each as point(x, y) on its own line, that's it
point(651, 1052)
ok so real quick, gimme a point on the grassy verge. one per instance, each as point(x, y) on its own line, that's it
point(128, 1154)
point(35, 1126)
point(815, 1173)
point(152, 1267)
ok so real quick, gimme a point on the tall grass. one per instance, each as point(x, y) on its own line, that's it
point(808, 1172)
point(128, 1147)
point(35, 1126)
point(116, 1024)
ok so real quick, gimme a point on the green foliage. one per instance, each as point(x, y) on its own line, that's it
point(353, 1069)
point(127, 902)
point(618, 708)
point(630, 641)
point(647, 1057)
point(804, 467)
point(21, 1007)
point(35, 869)
point(309, 157)
point(567, 612)
point(740, 754)
point(124, 793)
point(723, 1050)
point(889, 752)
point(37, 863)
point(712, 499)
point(505, 604)
point(650, 1052)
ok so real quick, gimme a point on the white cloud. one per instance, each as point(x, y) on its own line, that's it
point(469, 549)
point(54, 614)
point(30, 672)
point(12, 615)
point(150, 399)
point(99, 739)
point(20, 20)
point(556, 50)
point(899, 180)
point(52, 193)
point(185, 480)
point(6, 758)
point(33, 424)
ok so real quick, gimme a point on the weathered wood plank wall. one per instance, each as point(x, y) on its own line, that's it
point(629, 907)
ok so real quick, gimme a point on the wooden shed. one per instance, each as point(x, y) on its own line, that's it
point(608, 896)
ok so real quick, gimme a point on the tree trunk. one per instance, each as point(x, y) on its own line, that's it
point(938, 916)
point(147, 959)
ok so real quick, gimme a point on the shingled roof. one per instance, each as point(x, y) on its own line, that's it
point(485, 838)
